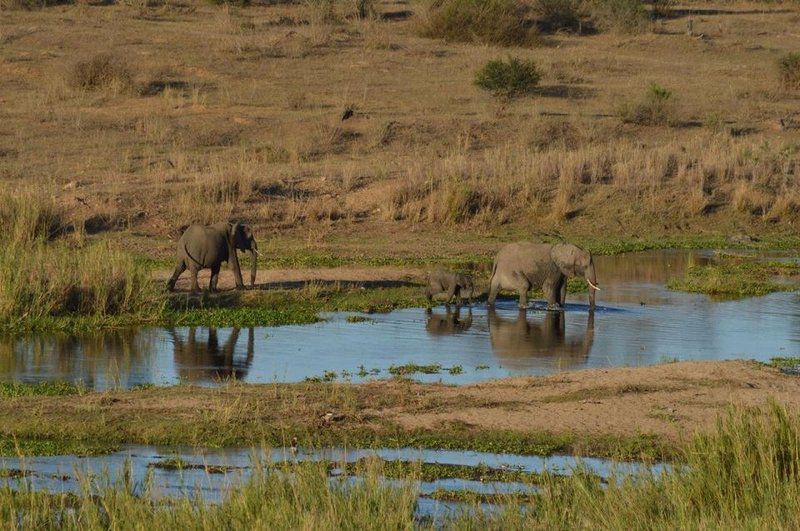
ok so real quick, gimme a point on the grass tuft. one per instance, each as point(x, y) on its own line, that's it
point(789, 71)
point(102, 72)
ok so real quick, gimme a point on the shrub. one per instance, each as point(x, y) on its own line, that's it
point(789, 71)
point(102, 72)
point(510, 78)
point(656, 108)
point(554, 15)
point(500, 22)
point(620, 16)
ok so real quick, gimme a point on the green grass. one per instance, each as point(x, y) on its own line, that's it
point(732, 276)
point(17, 389)
point(784, 362)
point(435, 471)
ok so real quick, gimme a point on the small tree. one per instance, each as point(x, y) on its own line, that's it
point(508, 79)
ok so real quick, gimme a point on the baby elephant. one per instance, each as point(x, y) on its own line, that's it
point(453, 284)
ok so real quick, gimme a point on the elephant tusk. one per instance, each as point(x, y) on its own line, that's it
point(592, 285)
point(257, 253)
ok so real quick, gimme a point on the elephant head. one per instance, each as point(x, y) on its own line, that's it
point(240, 236)
point(576, 262)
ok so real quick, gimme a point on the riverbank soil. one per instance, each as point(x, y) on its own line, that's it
point(624, 412)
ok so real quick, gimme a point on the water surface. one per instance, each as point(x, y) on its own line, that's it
point(638, 322)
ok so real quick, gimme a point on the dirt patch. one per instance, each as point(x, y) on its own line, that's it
point(617, 401)
point(387, 276)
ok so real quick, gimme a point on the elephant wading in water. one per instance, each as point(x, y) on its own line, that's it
point(206, 247)
point(524, 266)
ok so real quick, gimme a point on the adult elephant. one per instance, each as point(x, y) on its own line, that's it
point(525, 265)
point(206, 247)
point(520, 343)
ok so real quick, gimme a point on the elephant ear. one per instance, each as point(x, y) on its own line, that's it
point(565, 256)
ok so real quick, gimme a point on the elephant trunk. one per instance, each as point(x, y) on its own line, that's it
point(233, 259)
point(253, 262)
point(591, 278)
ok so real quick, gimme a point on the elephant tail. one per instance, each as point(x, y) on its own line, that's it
point(190, 257)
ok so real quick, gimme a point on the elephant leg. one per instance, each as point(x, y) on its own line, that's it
point(180, 267)
point(195, 285)
point(450, 294)
point(563, 292)
point(494, 288)
point(552, 290)
point(523, 295)
point(429, 293)
point(212, 285)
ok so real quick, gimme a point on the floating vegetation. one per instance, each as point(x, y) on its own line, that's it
point(359, 319)
point(176, 463)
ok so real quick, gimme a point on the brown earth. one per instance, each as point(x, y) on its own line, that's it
point(292, 278)
point(669, 401)
point(673, 400)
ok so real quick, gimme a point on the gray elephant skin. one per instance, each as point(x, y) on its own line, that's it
point(524, 266)
point(206, 247)
point(450, 283)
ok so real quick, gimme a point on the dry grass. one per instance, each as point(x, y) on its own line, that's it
point(238, 114)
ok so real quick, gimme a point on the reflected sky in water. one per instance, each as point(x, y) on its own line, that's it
point(637, 322)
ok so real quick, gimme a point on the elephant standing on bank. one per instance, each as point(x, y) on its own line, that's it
point(524, 266)
point(206, 247)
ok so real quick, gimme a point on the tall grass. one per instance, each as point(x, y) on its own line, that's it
point(41, 278)
point(743, 475)
point(302, 497)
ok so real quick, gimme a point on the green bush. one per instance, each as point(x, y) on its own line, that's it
point(619, 16)
point(500, 22)
point(789, 71)
point(510, 78)
point(656, 109)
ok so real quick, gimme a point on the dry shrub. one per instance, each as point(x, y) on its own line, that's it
point(102, 72)
point(656, 108)
point(789, 71)
point(500, 22)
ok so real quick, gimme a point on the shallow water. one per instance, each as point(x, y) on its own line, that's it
point(67, 473)
point(638, 322)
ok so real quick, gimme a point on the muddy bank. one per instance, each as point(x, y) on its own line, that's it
point(616, 412)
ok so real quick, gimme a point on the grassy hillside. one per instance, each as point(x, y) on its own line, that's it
point(142, 117)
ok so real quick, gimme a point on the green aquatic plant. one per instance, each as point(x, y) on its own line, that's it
point(737, 276)
point(413, 368)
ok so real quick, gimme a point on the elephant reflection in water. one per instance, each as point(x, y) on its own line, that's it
point(448, 323)
point(515, 342)
point(199, 360)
